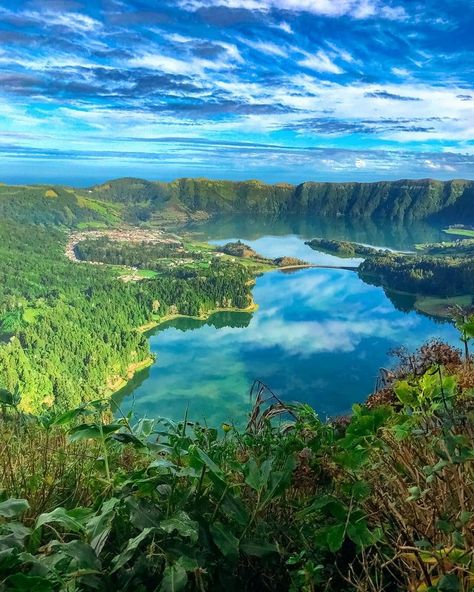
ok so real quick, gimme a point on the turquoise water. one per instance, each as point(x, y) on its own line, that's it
point(319, 336)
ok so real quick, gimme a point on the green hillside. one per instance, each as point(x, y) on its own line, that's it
point(398, 200)
point(138, 201)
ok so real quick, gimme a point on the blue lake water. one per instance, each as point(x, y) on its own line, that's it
point(319, 335)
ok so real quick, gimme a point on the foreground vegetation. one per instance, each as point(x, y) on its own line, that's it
point(382, 500)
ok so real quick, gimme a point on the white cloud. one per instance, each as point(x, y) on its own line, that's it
point(265, 47)
point(43, 63)
point(74, 21)
point(320, 62)
point(360, 163)
point(185, 67)
point(359, 9)
point(177, 38)
point(401, 72)
point(438, 166)
point(284, 26)
point(341, 53)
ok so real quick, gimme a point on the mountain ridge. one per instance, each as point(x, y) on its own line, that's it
point(403, 199)
point(136, 200)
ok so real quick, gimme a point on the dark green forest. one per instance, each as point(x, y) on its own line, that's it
point(67, 330)
point(404, 200)
point(429, 275)
point(143, 255)
point(138, 201)
point(342, 248)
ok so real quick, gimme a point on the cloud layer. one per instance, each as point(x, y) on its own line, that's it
point(320, 89)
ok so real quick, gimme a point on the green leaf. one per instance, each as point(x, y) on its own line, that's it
point(69, 416)
point(22, 583)
point(182, 524)
point(256, 548)
point(92, 431)
point(127, 438)
point(13, 507)
point(74, 520)
point(360, 534)
point(406, 393)
point(360, 490)
point(252, 475)
point(98, 527)
point(132, 545)
point(225, 541)
point(174, 578)
point(469, 329)
point(82, 553)
point(335, 537)
point(7, 398)
point(464, 517)
point(280, 480)
point(234, 507)
point(449, 583)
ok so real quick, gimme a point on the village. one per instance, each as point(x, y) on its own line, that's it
point(135, 236)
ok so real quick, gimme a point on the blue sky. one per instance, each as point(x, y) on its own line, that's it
point(280, 90)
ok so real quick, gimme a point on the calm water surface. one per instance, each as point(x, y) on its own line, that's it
point(319, 335)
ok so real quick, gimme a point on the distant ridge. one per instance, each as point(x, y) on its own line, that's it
point(135, 201)
point(405, 199)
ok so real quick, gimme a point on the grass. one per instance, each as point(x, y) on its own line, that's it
point(440, 307)
point(146, 273)
point(91, 225)
point(459, 232)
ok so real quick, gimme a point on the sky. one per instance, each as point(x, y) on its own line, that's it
point(277, 90)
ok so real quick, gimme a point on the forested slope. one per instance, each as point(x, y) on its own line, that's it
point(68, 330)
point(398, 200)
point(138, 201)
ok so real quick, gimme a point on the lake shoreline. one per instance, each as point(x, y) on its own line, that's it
point(137, 367)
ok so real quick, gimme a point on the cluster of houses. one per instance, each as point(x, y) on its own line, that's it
point(124, 235)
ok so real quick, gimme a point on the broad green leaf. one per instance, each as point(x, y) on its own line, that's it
point(234, 507)
point(174, 578)
point(360, 490)
point(98, 527)
point(74, 520)
point(210, 464)
point(225, 541)
point(127, 438)
point(22, 583)
point(469, 329)
point(406, 393)
point(7, 398)
point(256, 548)
point(69, 416)
point(280, 480)
point(359, 533)
point(82, 553)
point(132, 545)
point(162, 463)
point(92, 431)
point(335, 537)
point(449, 583)
point(253, 477)
point(13, 507)
point(182, 524)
